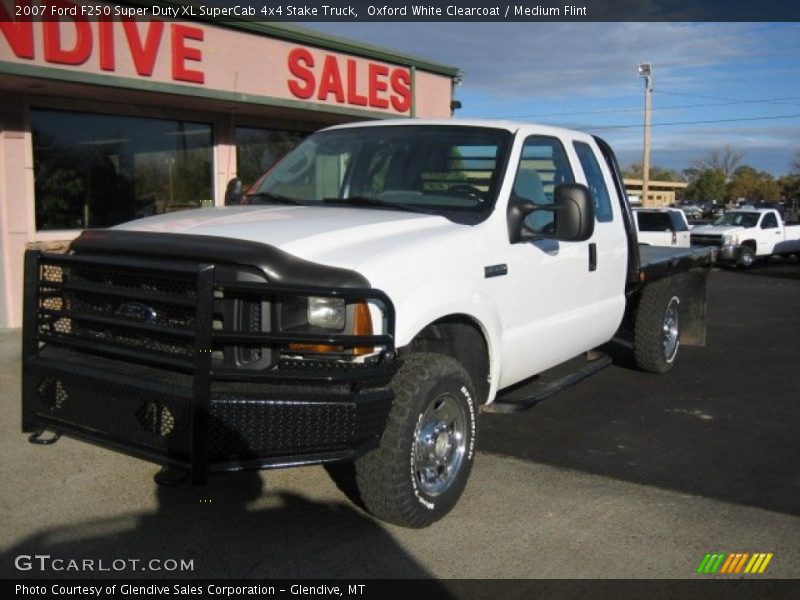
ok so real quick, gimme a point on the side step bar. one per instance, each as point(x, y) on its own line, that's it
point(540, 389)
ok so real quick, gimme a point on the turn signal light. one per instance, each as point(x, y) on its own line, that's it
point(362, 325)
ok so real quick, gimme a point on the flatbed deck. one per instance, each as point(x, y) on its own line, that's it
point(656, 262)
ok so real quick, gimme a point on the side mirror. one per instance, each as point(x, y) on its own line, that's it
point(234, 192)
point(573, 216)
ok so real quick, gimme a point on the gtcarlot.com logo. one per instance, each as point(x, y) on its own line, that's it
point(46, 562)
point(730, 563)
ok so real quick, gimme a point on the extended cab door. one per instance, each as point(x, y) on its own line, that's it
point(547, 299)
point(610, 240)
point(770, 233)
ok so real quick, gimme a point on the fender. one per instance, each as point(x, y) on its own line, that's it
point(424, 310)
point(751, 242)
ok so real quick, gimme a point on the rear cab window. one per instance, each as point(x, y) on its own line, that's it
point(595, 181)
point(653, 221)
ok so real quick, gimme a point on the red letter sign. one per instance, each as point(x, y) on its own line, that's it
point(19, 34)
point(300, 60)
point(181, 53)
point(144, 55)
point(80, 52)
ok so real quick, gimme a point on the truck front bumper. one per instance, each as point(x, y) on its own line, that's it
point(94, 370)
point(730, 254)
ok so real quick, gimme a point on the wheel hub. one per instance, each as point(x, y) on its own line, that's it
point(439, 444)
point(670, 331)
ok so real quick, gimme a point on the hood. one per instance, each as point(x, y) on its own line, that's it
point(334, 235)
point(716, 230)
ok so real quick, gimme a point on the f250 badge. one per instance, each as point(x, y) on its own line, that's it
point(138, 312)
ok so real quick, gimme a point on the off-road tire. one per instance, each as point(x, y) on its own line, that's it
point(649, 331)
point(388, 479)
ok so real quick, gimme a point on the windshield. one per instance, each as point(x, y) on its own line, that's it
point(738, 218)
point(447, 170)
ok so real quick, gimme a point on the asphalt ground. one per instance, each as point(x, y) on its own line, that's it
point(626, 475)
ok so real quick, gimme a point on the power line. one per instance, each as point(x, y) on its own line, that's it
point(739, 100)
point(619, 110)
point(737, 120)
point(660, 108)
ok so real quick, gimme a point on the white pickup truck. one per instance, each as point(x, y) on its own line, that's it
point(378, 287)
point(742, 236)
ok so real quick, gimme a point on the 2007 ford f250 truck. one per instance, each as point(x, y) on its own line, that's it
point(381, 284)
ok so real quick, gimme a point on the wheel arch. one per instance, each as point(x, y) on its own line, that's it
point(464, 338)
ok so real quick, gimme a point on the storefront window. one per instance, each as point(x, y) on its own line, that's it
point(95, 170)
point(258, 149)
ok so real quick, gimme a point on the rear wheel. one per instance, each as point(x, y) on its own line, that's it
point(421, 467)
point(657, 331)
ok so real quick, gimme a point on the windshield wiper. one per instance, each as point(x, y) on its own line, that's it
point(367, 201)
point(267, 197)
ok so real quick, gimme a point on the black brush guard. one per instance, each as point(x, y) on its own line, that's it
point(129, 353)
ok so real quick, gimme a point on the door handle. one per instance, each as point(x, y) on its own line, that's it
point(592, 257)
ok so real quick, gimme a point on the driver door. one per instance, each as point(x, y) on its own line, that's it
point(546, 301)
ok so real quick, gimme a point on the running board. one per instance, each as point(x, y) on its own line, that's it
point(525, 396)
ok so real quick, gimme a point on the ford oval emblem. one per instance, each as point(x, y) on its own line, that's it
point(138, 312)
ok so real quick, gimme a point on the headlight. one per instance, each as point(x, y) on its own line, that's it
point(730, 239)
point(319, 314)
point(328, 313)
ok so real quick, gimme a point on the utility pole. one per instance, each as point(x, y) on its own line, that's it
point(646, 72)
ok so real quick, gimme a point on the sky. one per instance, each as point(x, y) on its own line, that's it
point(714, 84)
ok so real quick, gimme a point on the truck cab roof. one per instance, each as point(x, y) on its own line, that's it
point(511, 126)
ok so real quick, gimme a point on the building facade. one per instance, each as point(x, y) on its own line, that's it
point(659, 193)
point(107, 120)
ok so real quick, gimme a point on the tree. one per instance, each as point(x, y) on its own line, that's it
point(790, 190)
point(691, 174)
point(724, 159)
point(753, 185)
point(796, 163)
point(634, 171)
point(708, 185)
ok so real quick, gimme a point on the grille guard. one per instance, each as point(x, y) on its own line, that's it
point(177, 388)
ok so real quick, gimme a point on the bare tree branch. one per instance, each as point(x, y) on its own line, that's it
point(724, 159)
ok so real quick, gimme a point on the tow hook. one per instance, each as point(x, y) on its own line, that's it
point(36, 438)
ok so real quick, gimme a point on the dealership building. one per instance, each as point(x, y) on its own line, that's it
point(104, 121)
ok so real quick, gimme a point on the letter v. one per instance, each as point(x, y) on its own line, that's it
point(144, 55)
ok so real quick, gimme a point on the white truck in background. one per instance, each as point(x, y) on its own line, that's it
point(743, 236)
point(360, 305)
point(662, 227)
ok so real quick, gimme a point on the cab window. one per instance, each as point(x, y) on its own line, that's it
point(543, 165)
point(653, 221)
point(595, 181)
point(769, 221)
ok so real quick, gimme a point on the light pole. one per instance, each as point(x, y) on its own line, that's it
point(646, 71)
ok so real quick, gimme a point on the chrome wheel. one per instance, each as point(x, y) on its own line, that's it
point(439, 444)
point(670, 330)
point(748, 258)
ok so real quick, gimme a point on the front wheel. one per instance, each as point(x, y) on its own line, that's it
point(421, 467)
point(748, 257)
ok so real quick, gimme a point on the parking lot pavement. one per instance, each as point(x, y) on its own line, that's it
point(624, 475)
